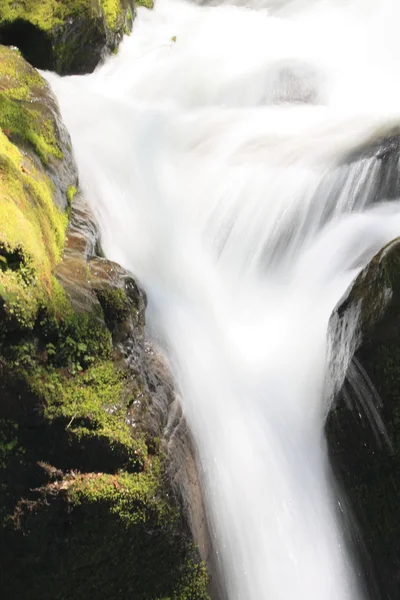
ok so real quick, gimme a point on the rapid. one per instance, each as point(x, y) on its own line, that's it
point(221, 151)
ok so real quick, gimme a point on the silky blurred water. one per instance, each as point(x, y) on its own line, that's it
point(213, 149)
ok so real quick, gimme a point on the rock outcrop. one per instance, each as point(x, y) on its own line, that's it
point(69, 37)
point(367, 456)
point(85, 500)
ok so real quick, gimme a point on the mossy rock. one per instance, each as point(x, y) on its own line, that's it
point(85, 506)
point(36, 171)
point(69, 37)
point(84, 501)
point(367, 464)
point(30, 118)
point(92, 535)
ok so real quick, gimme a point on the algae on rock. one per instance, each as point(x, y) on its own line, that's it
point(69, 37)
point(33, 145)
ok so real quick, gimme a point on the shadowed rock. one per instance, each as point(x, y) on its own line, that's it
point(69, 37)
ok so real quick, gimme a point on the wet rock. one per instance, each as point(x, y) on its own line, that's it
point(292, 82)
point(296, 84)
point(184, 474)
point(383, 155)
point(367, 460)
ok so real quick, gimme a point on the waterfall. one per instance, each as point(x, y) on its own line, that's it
point(221, 151)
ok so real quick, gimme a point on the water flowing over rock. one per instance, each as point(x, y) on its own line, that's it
point(242, 160)
point(224, 176)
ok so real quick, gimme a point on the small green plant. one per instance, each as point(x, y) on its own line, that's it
point(71, 193)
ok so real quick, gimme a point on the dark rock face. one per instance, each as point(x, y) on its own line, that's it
point(365, 456)
point(69, 37)
point(367, 462)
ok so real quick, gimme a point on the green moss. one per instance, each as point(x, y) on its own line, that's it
point(193, 583)
point(91, 535)
point(18, 79)
point(25, 124)
point(69, 370)
point(71, 193)
point(105, 526)
point(54, 35)
point(91, 405)
point(124, 490)
point(146, 3)
point(87, 533)
point(46, 14)
point(138, 501)
point(115, 305)
point(49, 14)
point(22, 116)
point(32, 232)
point(128, 22)
point(112, 11)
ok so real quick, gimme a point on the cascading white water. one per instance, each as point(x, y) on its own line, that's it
point(212, 149)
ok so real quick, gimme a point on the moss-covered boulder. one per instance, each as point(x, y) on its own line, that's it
point(368, 461)
point(85, 500)
point(37, 174)
point(86, 509)
point(100, 536)
point(68, 36)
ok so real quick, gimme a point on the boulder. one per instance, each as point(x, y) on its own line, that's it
point(363, 429)
point(68, 37)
